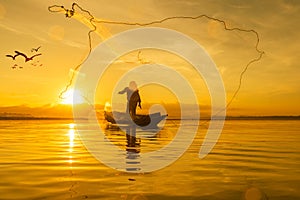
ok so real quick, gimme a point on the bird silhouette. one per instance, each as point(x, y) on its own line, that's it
point(35, 49)
point(26, 58)
point(14, 67)
point(12, 56)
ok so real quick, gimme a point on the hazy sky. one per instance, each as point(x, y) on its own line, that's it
point(270, 86)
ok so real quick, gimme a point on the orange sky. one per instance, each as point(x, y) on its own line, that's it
point(270, 86)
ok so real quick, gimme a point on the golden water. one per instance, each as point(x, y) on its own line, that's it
point(253, 159)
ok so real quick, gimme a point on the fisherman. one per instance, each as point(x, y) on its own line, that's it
point(133, 98)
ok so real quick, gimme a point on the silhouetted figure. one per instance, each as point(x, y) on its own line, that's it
point(133, 98)
point(26, 58)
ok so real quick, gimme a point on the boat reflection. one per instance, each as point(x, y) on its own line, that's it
point(135, 142)
point(132, 150)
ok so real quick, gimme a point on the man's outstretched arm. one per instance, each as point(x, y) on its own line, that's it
point(123, 91)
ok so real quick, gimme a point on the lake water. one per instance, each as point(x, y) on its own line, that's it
point(253, 159)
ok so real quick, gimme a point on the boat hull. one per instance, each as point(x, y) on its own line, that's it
point(144, 121)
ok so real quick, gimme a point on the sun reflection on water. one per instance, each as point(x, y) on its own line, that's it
point(71, 135)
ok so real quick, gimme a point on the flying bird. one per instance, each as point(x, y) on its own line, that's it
point(14, 67)
point(12, 56)
point(35, 49)
point(26, 58)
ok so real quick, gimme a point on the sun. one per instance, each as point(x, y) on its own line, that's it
point(72, 97)
point(107, 107)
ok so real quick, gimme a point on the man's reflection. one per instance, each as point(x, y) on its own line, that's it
point(133, 150)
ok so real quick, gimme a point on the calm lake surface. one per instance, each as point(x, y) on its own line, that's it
point(253, 159)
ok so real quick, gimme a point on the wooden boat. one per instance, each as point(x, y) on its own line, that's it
point(144, 121)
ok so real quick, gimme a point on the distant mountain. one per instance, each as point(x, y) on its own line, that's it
point(46, 111)
point(23, 111)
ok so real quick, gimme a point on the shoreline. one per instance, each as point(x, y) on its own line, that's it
point(170, 118)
